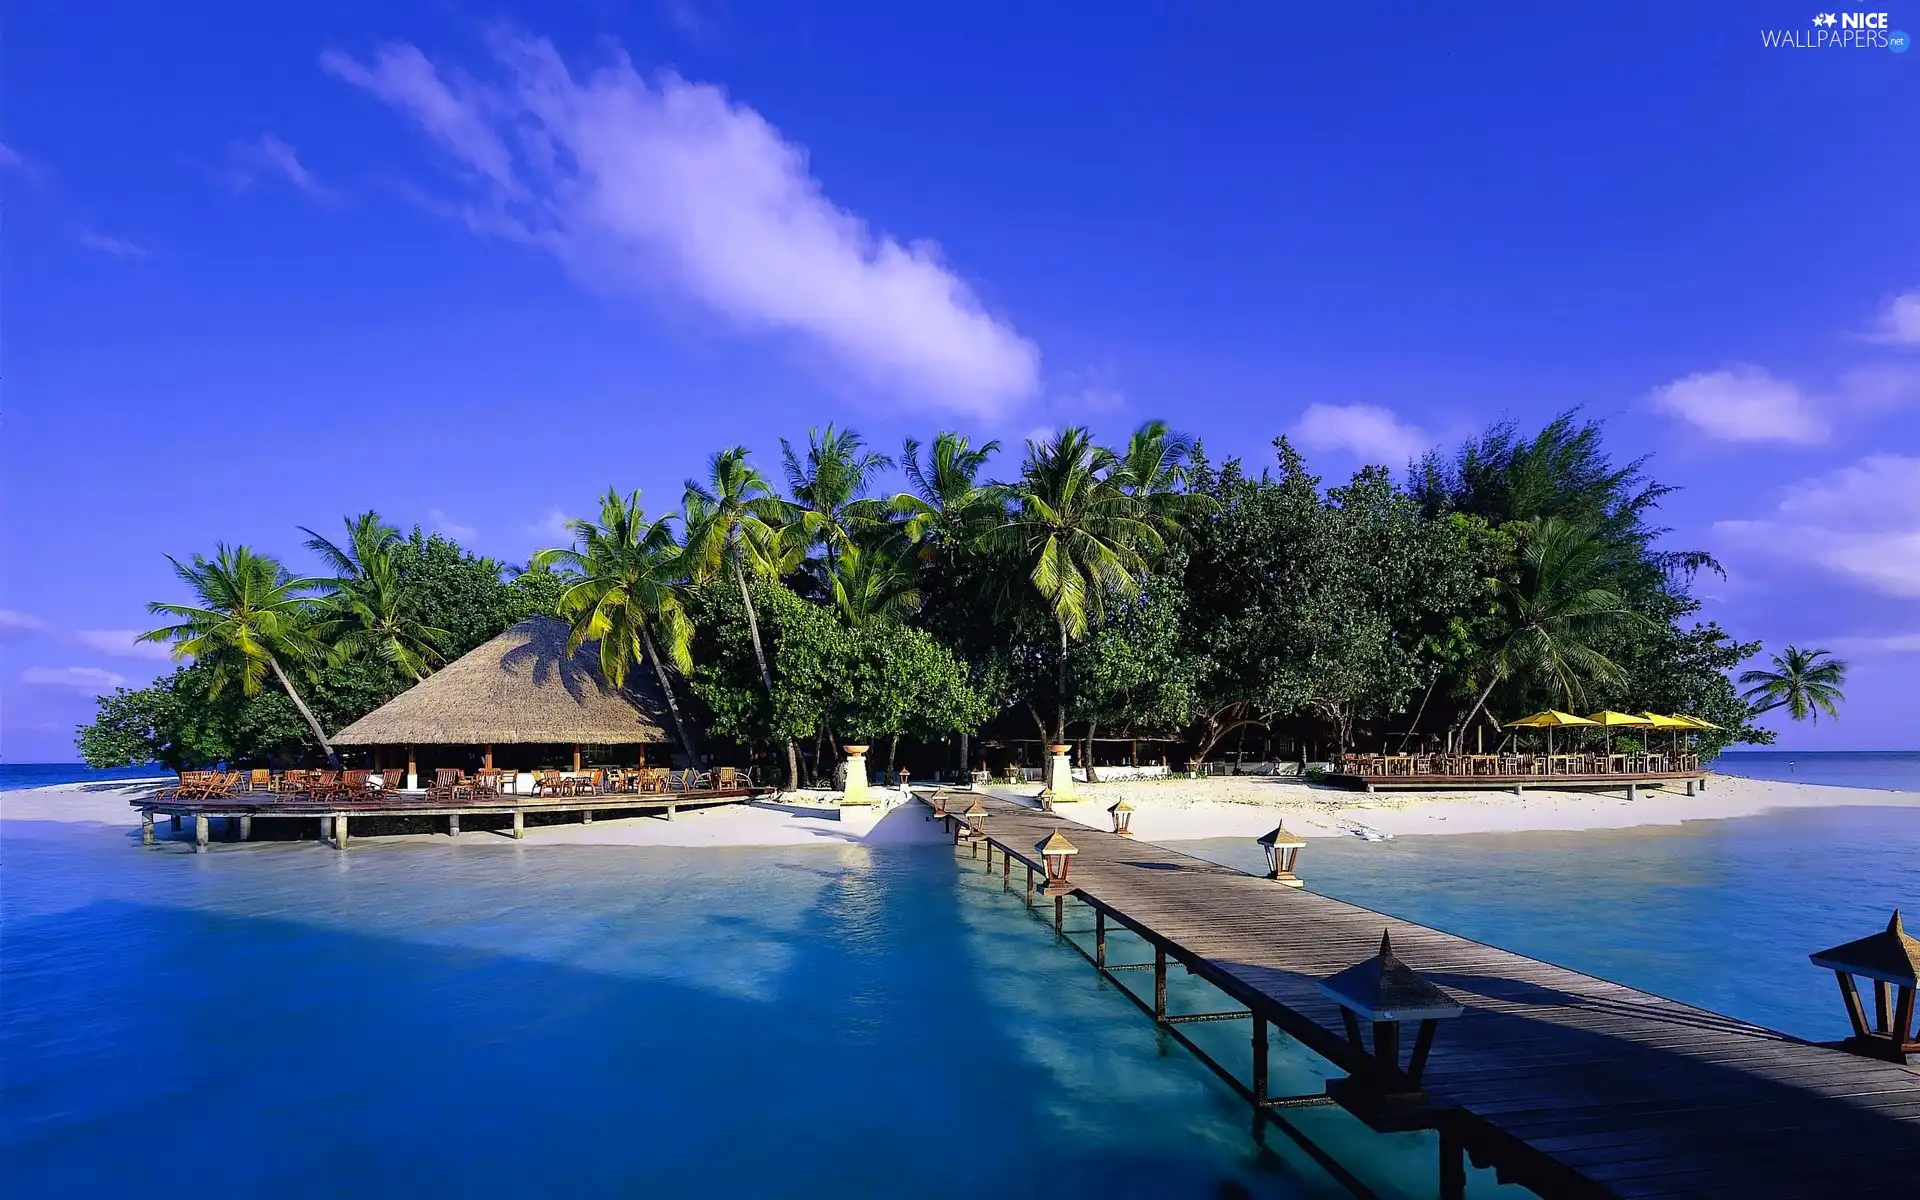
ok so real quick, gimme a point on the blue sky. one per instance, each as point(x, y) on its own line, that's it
point(470, 265)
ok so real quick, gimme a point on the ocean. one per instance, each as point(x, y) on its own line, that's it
point(491, 1019)
point(30, 775)
point(1898, 770)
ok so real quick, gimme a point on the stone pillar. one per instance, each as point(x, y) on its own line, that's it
point(856, 790)
point(199, 832)
point(246, 828)
point(453, 824)
point(519, 823)
point(146, 827)
point(413, 771)
point(340, 830)
point(1060, 773)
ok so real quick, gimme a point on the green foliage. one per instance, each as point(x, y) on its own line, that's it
point(1804, 682)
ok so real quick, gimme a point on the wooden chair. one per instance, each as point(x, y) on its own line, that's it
point(651, 779)
point(260, 779)
point(726, 778)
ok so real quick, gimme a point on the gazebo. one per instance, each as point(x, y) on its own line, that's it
point(523, 691)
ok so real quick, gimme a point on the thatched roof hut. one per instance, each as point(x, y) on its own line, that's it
point(521, 687)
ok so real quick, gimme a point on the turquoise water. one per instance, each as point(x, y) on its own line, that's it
point(27, 775)
point(1895, 769)
point(490, 1019)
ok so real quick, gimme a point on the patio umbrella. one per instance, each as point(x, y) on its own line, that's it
point(1612, 720)
point(1549, 720)
point(1695, 722)
point(1674, 724)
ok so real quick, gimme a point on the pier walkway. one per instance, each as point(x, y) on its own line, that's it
point(1564, 1083)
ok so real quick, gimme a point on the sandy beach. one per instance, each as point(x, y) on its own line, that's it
point(1165, 811)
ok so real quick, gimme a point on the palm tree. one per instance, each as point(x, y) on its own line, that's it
point(947, 501)
point(1800, 682)
point(632, 579)
point(251, 615)
point(872, 583)
point(369, 540)
point(371, 615)
point(1075, 533)
point(1152, 473)
point(734, 523)
point(830, 487)
point(1551, 613)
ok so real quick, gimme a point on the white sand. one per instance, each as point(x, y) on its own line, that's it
point(1165, 810)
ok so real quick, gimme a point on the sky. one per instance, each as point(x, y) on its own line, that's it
point(262, 266)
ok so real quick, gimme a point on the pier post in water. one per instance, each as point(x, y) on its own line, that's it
point(1159, 982)
point(146, 827)
point(586, 816)
point(1059, 912)
point(1100, 937)
point(1259, 1060)
point(199, 831)
point(1029, 887)
point(453, 824)
point(1453, 1167)
point(519, 823)
point(1006, 873)
point(246, 828)
point(323, 829)
point(340, 831)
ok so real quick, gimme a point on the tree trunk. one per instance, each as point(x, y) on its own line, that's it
point(1092, 776)
point(1419, 712)
point(893, 749)
point(319, 735)
point(1060, 723)
point(673, 705)
point(1473, 712)
point(966, 765)
point(766, 676)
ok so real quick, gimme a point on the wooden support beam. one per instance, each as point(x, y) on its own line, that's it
point(1260, 1060)
point(1029, 887)
point(1903, 1018)
point(1850, 995)
point(200, 831)
point(1159, 982)
point(325, 829)
point(146, 827)
point(1100, 937)
point(519, 823)
point(1453, 1167)
point(1006, 872)
point(1059, 913)
point(1881, 1005)
point(576, 758)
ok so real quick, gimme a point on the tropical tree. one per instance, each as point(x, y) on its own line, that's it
point(872, 583)
point(1552, 614)
point(1804, 682)
point(735, 524)
point(1076, 535)
point(1152, 473)
point(252, 617)
point(370, 540)
point(944, 509)
point(830, 486)
point(372, 615)
point(632, 578)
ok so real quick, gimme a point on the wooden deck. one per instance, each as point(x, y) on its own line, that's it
point(1564, 1083)
point(1612, 781)
point(336, 814)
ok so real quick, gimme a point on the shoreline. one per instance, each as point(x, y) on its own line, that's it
point(1165, 810)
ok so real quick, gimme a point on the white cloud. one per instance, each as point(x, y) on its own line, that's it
point(120, 643)
point(1899, 322)
point(1899, 643)
point(1861, 522)
point(1742, 403)
point(1363, 430)
point(14, 163)
point(116, 247)
point(15, 624)
point(552, 525)
point(668, 187)
point(89, 681)
point(248, 162)
point(448, 527)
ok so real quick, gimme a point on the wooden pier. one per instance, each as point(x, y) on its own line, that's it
point(1566, 1084)
point(335, 815)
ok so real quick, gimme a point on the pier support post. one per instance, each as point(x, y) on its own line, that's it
point(586, 816)
point(246, 828)
point(1059, 914)
point(1453, 1167)
point(175, 818)
point(1029, 887)
point(1633, 791)
point(1100, 937)
point(146, 827)
point(340, 831)
point(199, 831)
point(670, 811)
point(1519, 789)
point(1260, 1061)
point(519, 823)
point(1159, 983)
point(453, 824)
point(323, 829)
point(1006, 872)
point(1690, 787)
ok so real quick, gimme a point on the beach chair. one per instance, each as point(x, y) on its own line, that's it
point(726, 778)
point(260, 779)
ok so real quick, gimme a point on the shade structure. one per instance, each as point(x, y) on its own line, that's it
point(522, 687)
point(1696, 722)
point(1660, 722)
point(1550, 719)
point(1613, 719)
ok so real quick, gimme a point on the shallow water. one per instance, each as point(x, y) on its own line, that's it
point(490, 1019)
point(1898, 770)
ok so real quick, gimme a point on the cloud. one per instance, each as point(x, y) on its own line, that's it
point(667, 188)
point(1861, 522)
point(116, 247)
point(552, 525)
point(12, 162)
point(1899, 643)
point(1742, 403)
point(1363, 430)
point(448, 527)
point(120, 643)
point(1899, 322)
point(248, 162)
point(88, 681)
point(17, 624)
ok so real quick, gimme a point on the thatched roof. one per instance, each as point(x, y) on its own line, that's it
point(521, 687)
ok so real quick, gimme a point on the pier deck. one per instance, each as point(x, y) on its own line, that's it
point(1567, 1084)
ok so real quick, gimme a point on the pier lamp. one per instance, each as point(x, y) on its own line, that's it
point(1057, 852)
point(976, 819)
point(1385, 993)
point(1122, 814)
point(1891, 959)
point(1283, 851)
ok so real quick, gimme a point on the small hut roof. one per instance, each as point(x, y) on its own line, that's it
point(521, 687)
point(1057, 843)
point(1892, 955)
point(1385, 989)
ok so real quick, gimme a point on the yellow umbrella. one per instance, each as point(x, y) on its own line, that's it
point(1676, 724)
point(1550, 720)
point(1696, 722)
point(1610, 719)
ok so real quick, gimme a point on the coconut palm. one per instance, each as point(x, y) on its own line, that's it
point(1152, 473)
point(1800, 682)
point(630, 596)
point(252, 618)
point(945, 507)
point(735, 524)
point(1077, 537)
point(369, 540)
point(1552, 612)
point(830, 487)
point(872, 583)
point(370, 614)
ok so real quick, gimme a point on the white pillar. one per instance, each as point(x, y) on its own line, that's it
point(1060, 773)
point(856, 790)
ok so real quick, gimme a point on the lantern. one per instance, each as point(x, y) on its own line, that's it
point(1122, 814)
point(1891, 959)
point(976, 819)
point(1057, 852)
point(1283, 851)
point(1385, 992)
